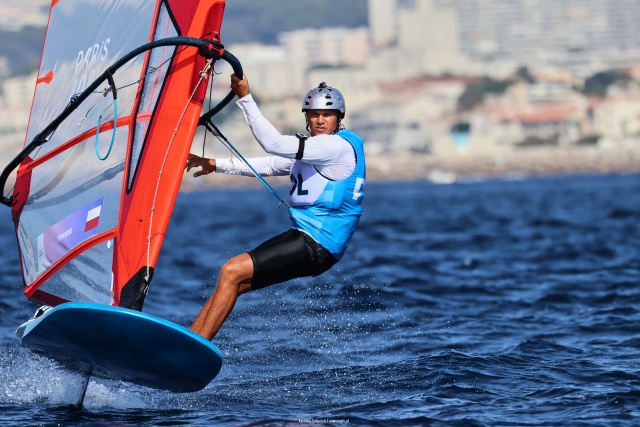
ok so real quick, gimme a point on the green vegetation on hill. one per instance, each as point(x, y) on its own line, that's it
point(22, 48)
point(476, 91)
point(598, 83)
point(262, 20)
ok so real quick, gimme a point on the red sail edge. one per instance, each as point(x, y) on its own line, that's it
point(131, 255)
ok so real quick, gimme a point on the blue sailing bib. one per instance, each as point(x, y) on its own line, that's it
point(325, 209)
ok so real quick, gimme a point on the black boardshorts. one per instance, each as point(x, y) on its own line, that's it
point(287, 256)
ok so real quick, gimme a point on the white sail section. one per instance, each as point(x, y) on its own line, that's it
point(68, 177)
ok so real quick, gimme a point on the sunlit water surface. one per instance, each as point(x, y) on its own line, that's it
point(497, 303)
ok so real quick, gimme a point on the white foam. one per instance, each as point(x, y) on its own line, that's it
point(26, 377)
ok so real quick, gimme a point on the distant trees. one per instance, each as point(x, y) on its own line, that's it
point(22, 49)
point(475, 91)
point(524, 74)
point(591, 139)
point(599, 83)
point(538, 141)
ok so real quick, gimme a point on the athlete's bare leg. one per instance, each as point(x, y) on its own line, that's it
point(235, 279)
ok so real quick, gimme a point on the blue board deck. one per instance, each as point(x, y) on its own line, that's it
point(122, 344)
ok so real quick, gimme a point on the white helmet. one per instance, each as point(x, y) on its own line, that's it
point(324, 97)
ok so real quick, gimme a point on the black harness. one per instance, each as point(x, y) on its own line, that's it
point(302, 139)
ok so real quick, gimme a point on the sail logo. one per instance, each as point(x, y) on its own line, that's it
point(95, 53)
point(93, 218)
point(69, 232)
point(65, 234)
point(87, 64)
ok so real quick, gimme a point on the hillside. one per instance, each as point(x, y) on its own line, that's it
point(245, 21)
point(22, 49)
point(262, 20)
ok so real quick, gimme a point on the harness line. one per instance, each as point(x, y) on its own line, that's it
point(216, 132)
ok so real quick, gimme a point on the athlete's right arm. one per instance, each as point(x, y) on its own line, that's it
point(265, 166)
point(207, 165)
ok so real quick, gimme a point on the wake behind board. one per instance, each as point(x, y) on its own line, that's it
point(122, 344)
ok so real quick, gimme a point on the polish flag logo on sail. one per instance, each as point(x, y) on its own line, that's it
point(67, 233)
point(93, 218)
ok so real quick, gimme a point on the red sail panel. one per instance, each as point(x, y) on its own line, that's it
point(147, 208)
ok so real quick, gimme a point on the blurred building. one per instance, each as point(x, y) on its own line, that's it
point(4, 67)
point(616, 117)
point(403, 75)
point(382, 29)
point(419, 36)
point(17, 14)
point(542, 31)
point(333, 47)
point(16, 95)
point(409, 116)
point(272, 71)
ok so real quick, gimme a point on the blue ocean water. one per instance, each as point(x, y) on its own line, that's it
point(495, 303)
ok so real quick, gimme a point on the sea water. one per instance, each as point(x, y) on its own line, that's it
point(494, 303)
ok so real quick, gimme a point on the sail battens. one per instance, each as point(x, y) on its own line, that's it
point(91, 133)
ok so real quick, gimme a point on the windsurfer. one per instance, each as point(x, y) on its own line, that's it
point(327, 171)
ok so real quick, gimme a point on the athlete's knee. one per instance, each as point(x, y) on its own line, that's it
point(228, 272)
point(236, 270)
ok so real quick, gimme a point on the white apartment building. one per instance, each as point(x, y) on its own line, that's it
point(382, 28)
point(273, 74)
point(617, 117)
point(15, 103)
point(18, 91)
point(333, 47)
point(536, 30)
point(419, 36)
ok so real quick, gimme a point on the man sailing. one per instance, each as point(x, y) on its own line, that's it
point(327, 172)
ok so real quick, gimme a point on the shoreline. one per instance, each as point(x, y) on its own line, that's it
point(526, 162)
point(459, 167)
point(521, 163)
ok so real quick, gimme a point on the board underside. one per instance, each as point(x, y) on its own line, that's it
point(122, 344)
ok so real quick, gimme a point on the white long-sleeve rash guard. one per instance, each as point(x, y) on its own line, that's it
point(332, 155)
